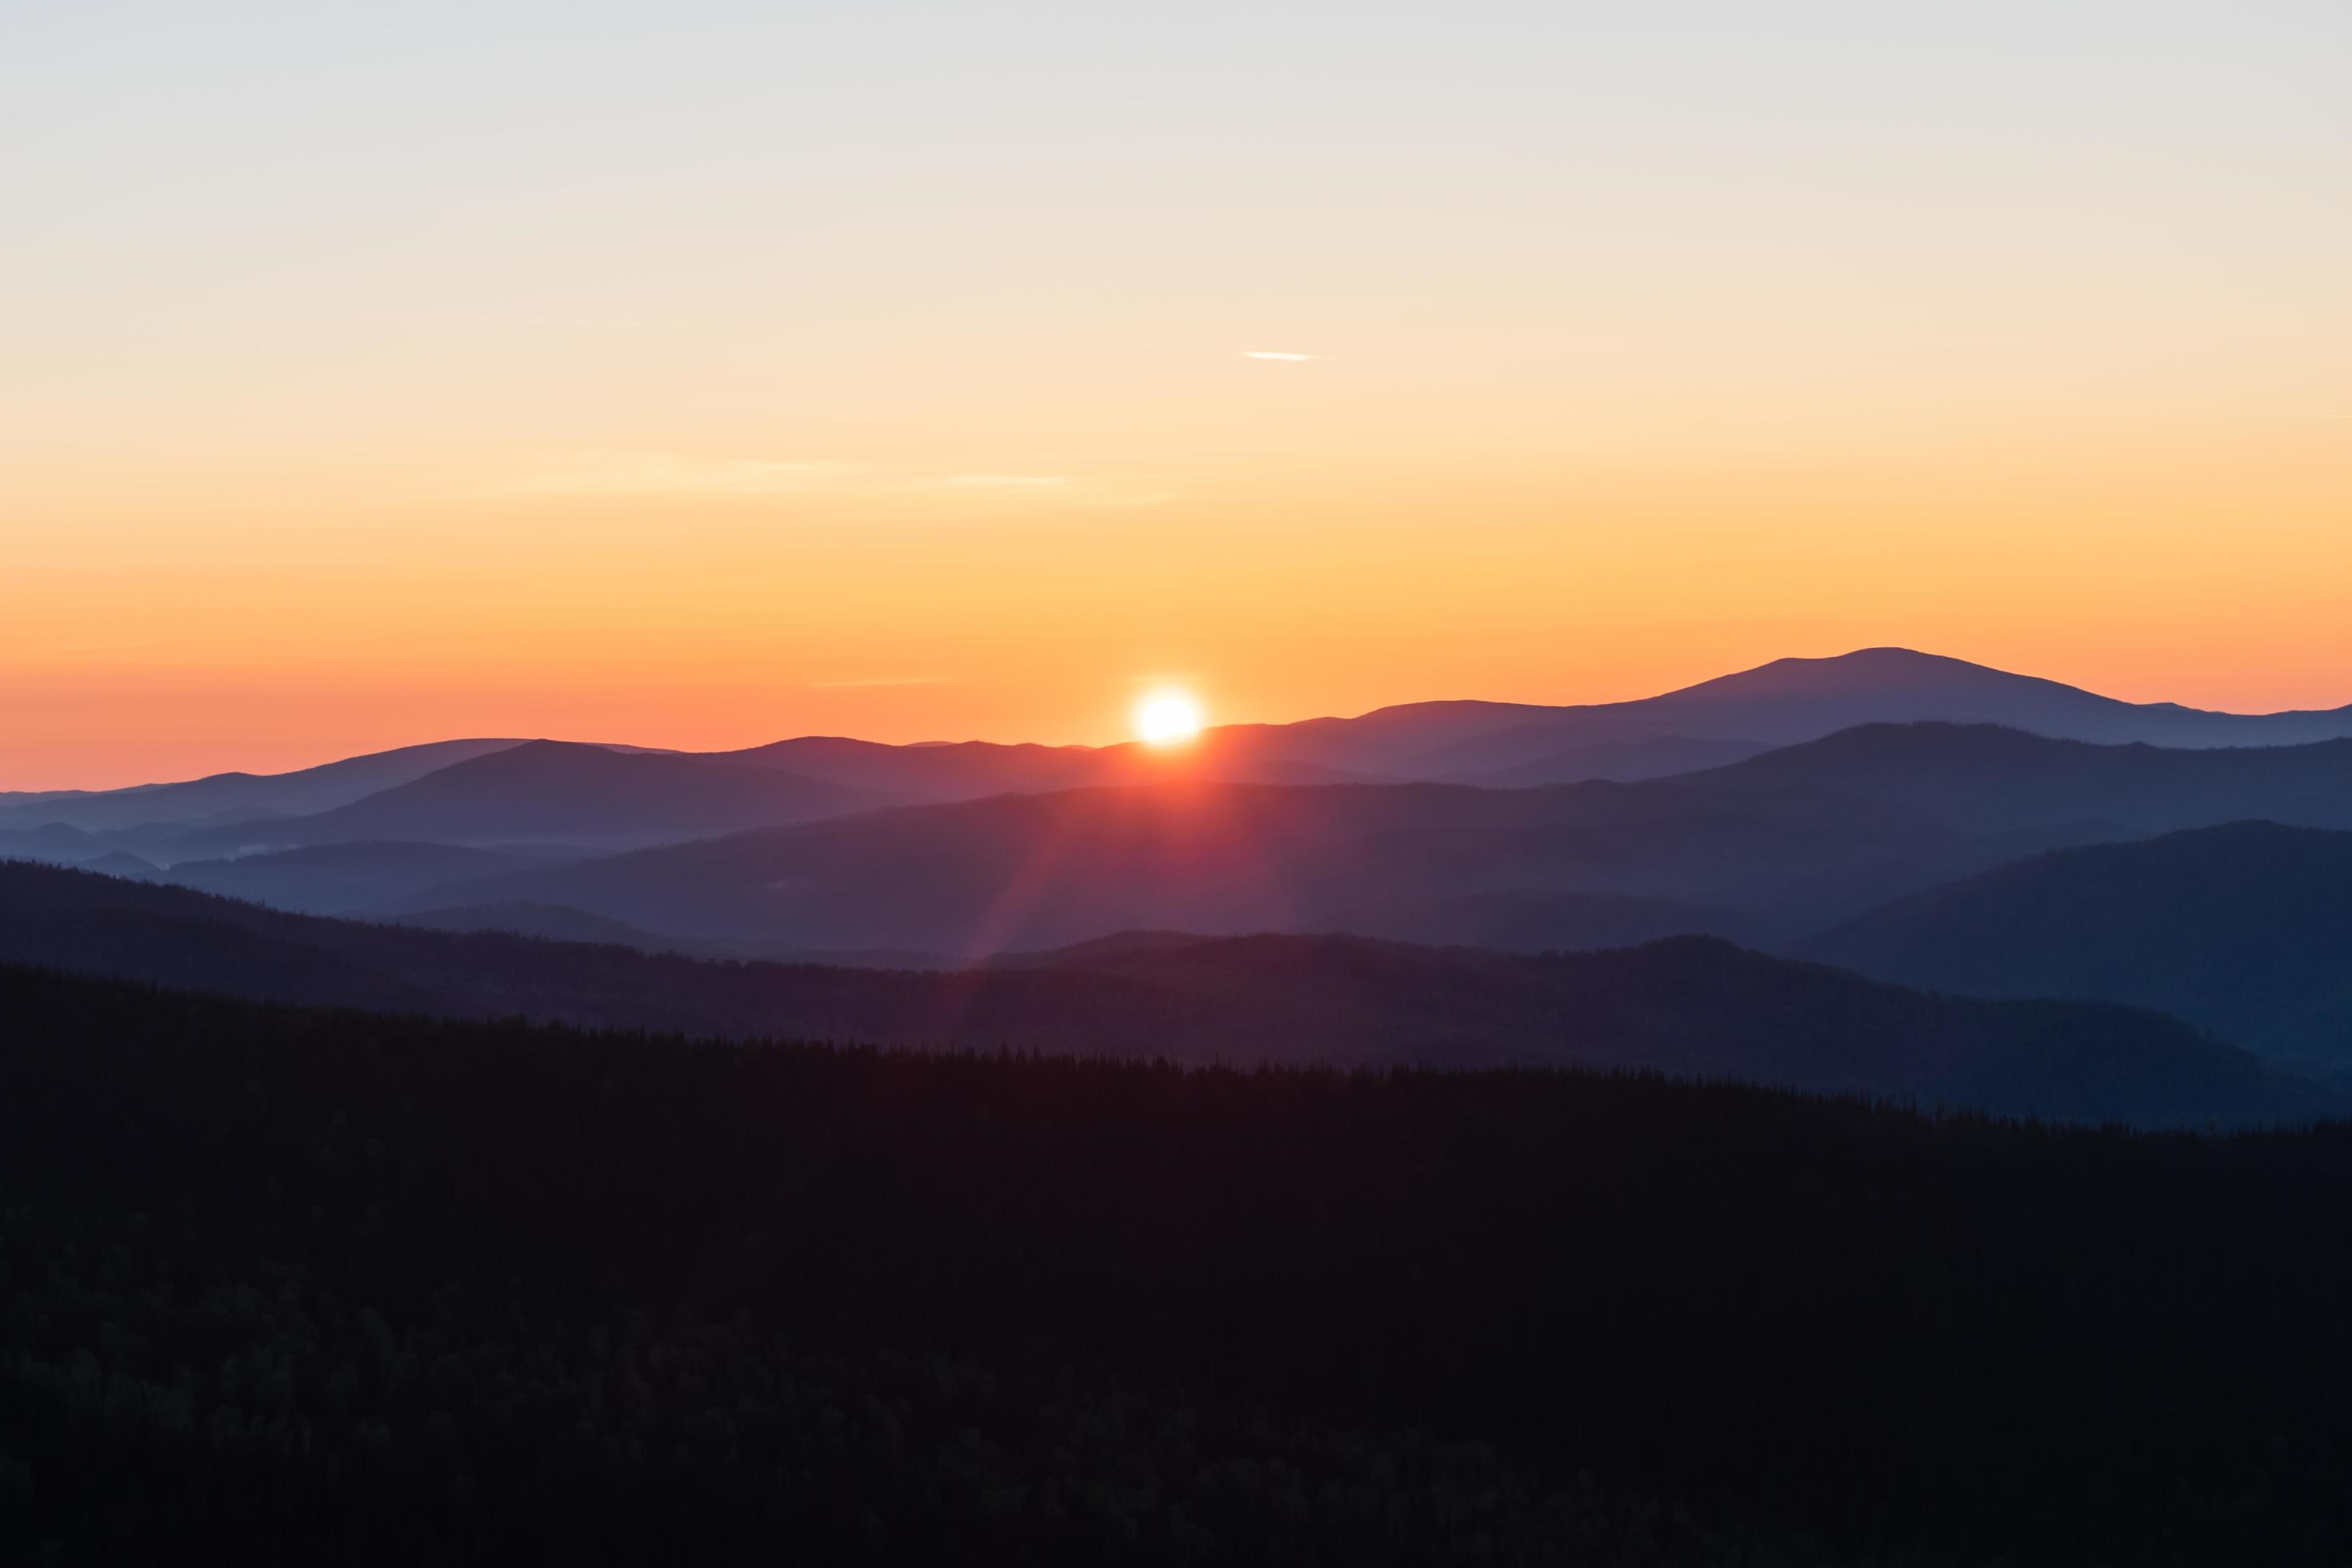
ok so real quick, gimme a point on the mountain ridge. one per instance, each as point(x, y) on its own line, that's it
point(1791, 842)
point(1784, 701)
point(554, 791)
point(2244, 928)
point(1695, 1006)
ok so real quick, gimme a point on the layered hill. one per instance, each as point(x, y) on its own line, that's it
point(1773, 848)
point(2245, 929)
point(341, 878)
point(1041, 870)
point(1522, 920)
point(1507, 744)
point(552, 792)
point(1503, 744)
point(1784, 702)
point(973, 769)
point(55, 843)
point(306, 790)
point(1650, 757)
point(1690, 1008)
point(1986, 778)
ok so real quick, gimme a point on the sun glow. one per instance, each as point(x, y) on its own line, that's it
point(1167, 717)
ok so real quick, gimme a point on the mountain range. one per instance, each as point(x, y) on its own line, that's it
point(224, 796)
point(2245, 929)
point(1693, 1007)
point(1772, 850)
point(1915, 818)
point(1776, 704)
point(551, 791)
point(1504, 744)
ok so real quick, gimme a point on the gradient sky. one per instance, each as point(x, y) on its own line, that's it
point(701, 374)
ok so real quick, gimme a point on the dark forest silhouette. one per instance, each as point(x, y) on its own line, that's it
point(284, 1284)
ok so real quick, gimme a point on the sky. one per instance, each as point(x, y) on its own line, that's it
point(699, 373)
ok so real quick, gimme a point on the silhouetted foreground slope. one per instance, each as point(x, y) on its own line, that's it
point(301, 1287)
point(1690, 1007)
point(2246, 929)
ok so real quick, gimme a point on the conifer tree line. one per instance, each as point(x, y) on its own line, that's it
point(281, 1284)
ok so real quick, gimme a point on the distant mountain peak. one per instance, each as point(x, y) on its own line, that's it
point(1864, 671)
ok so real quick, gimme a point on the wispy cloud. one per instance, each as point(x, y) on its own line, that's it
point(882, 680)
point(1274, 353)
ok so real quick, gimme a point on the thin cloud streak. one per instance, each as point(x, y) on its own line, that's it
point(882, 680)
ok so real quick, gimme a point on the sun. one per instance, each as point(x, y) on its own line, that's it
point(1168, 718)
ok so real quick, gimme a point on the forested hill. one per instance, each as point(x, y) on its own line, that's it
point(2245, 929)
point(1691, 1007)
point(291, 1286)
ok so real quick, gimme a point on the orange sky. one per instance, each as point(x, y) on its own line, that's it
point(705, 376)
